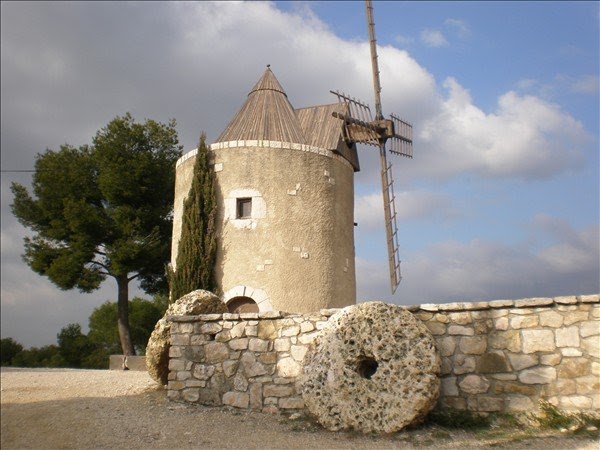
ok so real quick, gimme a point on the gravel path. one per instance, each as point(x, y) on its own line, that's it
point(93, 409)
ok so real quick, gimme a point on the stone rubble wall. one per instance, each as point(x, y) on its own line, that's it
point(503, 355)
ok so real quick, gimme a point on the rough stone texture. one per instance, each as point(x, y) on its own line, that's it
point(374, 369)
point(157, 350)
point(488, 366)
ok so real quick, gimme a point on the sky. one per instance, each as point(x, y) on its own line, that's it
point(501, 199)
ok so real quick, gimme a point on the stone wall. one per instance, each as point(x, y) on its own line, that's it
point(503, 355)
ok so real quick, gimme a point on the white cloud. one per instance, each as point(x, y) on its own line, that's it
point(524, 137)
point(433, 38)
point(485, 270)
point(459, 26)
point(587, 84)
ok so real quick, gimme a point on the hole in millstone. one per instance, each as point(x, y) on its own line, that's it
point(367, 367)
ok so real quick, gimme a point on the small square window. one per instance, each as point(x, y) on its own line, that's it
point(244, 208)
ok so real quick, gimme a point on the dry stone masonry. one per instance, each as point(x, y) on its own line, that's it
point(502, 355)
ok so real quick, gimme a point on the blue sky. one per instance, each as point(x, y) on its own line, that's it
point(500, 201)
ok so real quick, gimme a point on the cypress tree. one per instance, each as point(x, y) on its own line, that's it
point(197, 252)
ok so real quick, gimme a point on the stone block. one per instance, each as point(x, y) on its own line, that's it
point(436, 328)
point(574, 367)
point(590, 328)
point(512, 387)
point(441, 318)
point(551, 319)
point(538, 341)
point(575, 402)
point(258, 345)
point(240, 383)
point(566, 300)
point(460, 330)
point(424, 316)
point(574, 317)
point(298, 352)
point(306, 327)
point(591, 346)
point(474, 384)
point(446, 346)
point(282, 344)
point(183, 375)
point(293, 330)
point(594, 298)
point(287, 367)
point(519, 361)
point(230, 367)
point(521, 312)
point(595, 368)
point(252, 330)
point(291, 403)
point(176, 364)
point(560, 387)
point(492, 363)
point(307, 338)
point(552, 359)
point(203, 372)
point(538, 375)
point(520, 404)
point(464, 364)
point(278, 390)
point(490, 404)
point(501, 323)
point(238, 344)
point(267, 358)
point(216, 352)
point(191, 394)
point(507, 340)
point(267, 329)
point(251, 367)
point(567, 337)
point(238, 330)
point(596, 311)
point(473, 345)
point(570, 351)
point(448, 387)
point(194, 353)
point(519, 322)
point(533, 302)
point(255, 396)
point(460, 318)
point(211, 328)
point(458, 403)
point(180, 339)
point(501, 303)
point(236, 399)
point(446, 366)
point(588, 385)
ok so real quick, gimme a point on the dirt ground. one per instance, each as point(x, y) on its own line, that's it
point(97, 409)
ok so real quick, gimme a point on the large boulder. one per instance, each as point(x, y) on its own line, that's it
point(157, 350)
point(374, 368)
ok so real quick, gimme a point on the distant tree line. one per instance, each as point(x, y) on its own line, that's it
point(91, 351)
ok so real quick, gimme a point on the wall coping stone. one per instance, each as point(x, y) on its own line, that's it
point(426, 307)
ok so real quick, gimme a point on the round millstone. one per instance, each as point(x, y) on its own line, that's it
point(374, 368)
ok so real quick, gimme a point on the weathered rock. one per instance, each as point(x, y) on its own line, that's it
point(374, 369)
point(157, 350)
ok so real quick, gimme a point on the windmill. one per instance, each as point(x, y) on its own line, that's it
point(359, 127)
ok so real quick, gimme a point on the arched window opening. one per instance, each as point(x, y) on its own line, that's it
point(242, 305)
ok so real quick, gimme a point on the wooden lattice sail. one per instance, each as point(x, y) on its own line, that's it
point(360, 127)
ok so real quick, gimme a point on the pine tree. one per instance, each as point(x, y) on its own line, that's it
point(196, 256)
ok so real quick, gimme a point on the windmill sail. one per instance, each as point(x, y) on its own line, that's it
point(359, 127)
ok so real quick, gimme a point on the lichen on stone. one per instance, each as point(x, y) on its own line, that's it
point(374, 368)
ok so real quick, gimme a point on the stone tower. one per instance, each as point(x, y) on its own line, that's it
point(285, 188)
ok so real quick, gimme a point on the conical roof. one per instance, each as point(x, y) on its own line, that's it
point(267, 114)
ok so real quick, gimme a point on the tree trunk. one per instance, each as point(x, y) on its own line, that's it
point(123, 315)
